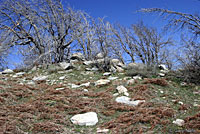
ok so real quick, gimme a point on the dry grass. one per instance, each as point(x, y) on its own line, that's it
point(41, 109)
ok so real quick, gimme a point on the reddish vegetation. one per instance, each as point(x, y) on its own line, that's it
point(193, 122)
point(42, 109)
point(161, 82)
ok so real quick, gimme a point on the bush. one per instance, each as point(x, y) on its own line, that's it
point(144, 71)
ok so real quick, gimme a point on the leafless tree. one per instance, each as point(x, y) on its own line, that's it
point(178, 20)
point(142, 43)
point(190, 60)
point(43, 25)
point(104, 37)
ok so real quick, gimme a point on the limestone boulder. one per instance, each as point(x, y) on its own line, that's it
point(127, 101)
point(102, 82)
point(86, 119)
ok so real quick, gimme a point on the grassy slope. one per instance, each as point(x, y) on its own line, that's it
point(42, 109)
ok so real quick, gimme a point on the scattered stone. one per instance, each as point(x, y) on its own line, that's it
point(66, 66)
point(85, 90)
point(20, 73)
point(87, 119)
point(161, 74)
point(119, 69)
point(92, 69)
point(99, 56)
point(137, 77)
point(162, 67)
point(122, 90)
point(40, 78)
point(75, 86)
point(7, 71)
point(112, 78)
point(127, 78)
point(61, 88)
point(183, 84)
point(107, 74)
point(115, 94)
point(131, 82)
point(137, 66)
point(126, 100)
point(99, 130)
point(31, 83)
point(181, 103)
point(77, 56)
point(102, 82)
point(179, 122)
point(62, 78)
point(85, 84)
point(88, 63)
point(34, 69)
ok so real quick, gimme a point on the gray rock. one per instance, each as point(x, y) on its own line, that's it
point(99, 56)
point(112, 78)
point(7, 71)
point(53, 68)
point(136, 66)
point(106, 73)
point(88, 63)
point(77, 56)
point(66, 65)
point(126, 100)
point(87, 119)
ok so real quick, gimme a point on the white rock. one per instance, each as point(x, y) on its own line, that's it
point(40, 78)
point(112, 78)
point(78, 56)
point(179, 122)
point(162, 67)
point(87, 63)
point(181, 103)
point(7, 71)
point(130, 82)
point(101, 82)
point(62, 78)
point(161, 74)
point(122, 90)
point(65, 65)
point(126, 100)
point(87, 119)
point(100, 56)
point(126, 93)
point(137, 77)
point(119, 69)
point(61, 88)
point(85, 90)
point(31, 83)
point(107, 74)
point(85, 84)
point(20, 73)
point(115, 94)
point(102, 130)
point(75, 86)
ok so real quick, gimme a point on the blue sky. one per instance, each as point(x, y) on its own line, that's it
point(124, 11)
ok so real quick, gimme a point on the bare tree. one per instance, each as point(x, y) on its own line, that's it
point(178, 20)
point(43, 25)
point(148, 43)
point(190, 61)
